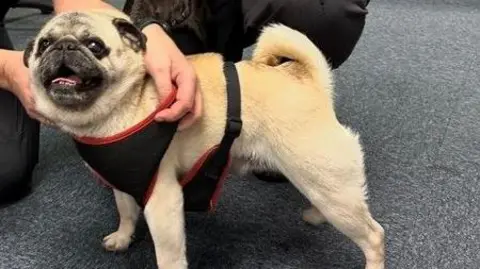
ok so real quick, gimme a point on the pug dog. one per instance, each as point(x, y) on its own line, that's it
point(88, 78)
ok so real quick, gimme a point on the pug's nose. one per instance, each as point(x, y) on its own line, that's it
point(67, 45)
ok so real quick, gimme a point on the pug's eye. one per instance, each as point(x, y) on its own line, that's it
point(43, 45)
point(95, 47)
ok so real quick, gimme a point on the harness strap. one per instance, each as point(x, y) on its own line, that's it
point(233, 126)
point(201, 188)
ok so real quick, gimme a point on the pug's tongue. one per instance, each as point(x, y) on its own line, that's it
point(70, 80)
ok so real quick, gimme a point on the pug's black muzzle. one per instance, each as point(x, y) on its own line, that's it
point(71, 77)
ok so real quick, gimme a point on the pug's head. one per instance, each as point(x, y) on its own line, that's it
point(84, 64)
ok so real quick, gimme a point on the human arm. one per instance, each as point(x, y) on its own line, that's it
point(14, 78)
point(69, 5)
point(169, 68)
point(4, 54)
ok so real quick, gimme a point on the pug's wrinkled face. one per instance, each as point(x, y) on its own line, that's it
point(83, 64)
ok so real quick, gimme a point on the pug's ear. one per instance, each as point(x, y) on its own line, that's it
point(137, 40)
point(28, 51)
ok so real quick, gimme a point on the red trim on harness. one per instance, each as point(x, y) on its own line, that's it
point(218, 190)
point(130, 131)
point(149, 191)
point(189, 176)
point(194, 170)
point(100, 180)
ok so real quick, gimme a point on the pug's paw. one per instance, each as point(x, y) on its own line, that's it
point(117, 241)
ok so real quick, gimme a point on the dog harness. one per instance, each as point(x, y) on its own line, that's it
point(129, 161)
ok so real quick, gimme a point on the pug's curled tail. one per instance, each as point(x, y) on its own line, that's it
point(283, 47)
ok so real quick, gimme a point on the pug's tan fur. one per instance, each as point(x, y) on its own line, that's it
point(289, 126)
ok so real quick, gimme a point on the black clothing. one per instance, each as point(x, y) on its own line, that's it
point(19, 138)
point(334, 26)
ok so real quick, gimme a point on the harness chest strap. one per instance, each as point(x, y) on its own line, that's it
point(202, 185)
point(129, 161)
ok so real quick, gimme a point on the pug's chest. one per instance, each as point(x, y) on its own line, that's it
point(129, 162)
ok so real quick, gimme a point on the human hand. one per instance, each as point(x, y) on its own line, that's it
point(18, 82)
point(169, 68)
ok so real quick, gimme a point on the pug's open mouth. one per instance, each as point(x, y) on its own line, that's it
point(67, 78)
point(72, 89)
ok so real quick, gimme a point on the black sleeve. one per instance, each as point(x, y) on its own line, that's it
point(127, 8)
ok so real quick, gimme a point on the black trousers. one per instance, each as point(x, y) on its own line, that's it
point(333, 25)
point(19, 142)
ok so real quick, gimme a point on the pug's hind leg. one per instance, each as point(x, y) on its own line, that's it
point(128, 211)
point(165, 218)
point(335, 185)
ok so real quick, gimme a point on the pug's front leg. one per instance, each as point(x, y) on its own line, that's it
point(165, 218)
point(128, 211)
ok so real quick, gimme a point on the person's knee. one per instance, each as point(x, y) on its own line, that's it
point(306, 13)
point(334, 26)
point(15, 178)
point(19, 148)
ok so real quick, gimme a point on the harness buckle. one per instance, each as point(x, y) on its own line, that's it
point(234, 126)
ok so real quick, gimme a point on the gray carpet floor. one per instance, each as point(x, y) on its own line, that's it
point(411, 89)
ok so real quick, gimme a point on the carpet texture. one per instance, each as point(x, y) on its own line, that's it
point(411, 89)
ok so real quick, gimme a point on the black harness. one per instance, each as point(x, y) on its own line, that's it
point(129, 161)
